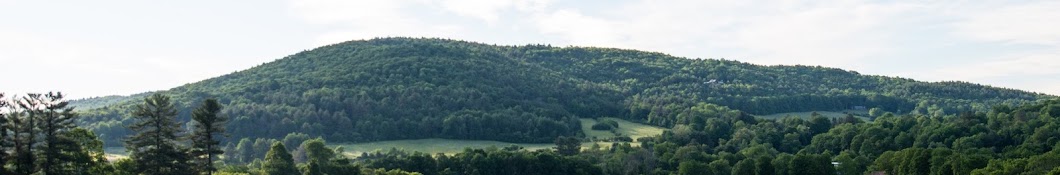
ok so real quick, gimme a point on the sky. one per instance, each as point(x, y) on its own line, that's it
point(106, 47)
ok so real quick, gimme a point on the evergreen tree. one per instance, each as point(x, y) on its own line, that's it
point(56, 119)
point(24, 133)
point(155, 145)
point(208, 127)
point(278, 161)
point(5, 143)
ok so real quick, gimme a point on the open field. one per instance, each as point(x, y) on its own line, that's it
point(115, 153)
point(451, 146)
point(625, 128)
point(447, 146)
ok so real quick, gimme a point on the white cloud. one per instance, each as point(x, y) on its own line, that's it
point(486, 10)
point(490, 10)
point(340, 11)
point(1038, 72)
point(349, 20)
point(580, 29)
point(1052, 87)
point(1027, 65)
point(833, 34)
point(38, 63)
point(1030, 23)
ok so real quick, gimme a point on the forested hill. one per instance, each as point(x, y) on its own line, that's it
point(404, 88)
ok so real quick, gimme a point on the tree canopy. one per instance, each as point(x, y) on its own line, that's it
point(411, 88)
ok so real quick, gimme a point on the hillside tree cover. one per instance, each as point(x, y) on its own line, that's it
point(1005, 140)
point(405, 88)
point(411, 88)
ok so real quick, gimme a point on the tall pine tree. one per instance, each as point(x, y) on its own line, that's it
point(24, 133)
point(56, 119)
point(207, 129)
point(5, 142)
point(155, 146)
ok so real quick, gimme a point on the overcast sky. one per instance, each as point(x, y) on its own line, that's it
point(97, 48)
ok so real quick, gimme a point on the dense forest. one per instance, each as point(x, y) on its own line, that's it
point(409, 88)
point(719, 140)
point(39, 138)
point(277, 118)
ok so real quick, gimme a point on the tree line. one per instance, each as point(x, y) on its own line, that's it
point(411, 88)
point(712, 139)
point(38, 136)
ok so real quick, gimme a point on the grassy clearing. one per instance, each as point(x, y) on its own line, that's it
point(862, 114)
point(432, 146)
point(450, 146)
point(115, 153)
point(625, 128)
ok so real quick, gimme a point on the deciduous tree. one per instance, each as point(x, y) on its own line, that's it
point(278, 161)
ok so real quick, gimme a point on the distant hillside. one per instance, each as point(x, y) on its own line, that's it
point(406, 88)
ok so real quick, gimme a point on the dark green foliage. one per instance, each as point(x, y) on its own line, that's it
point(764, 166)
point(692, 168)
point(5, 140)
point(849, 163)
point(406, 88)
point(717, 140)
point(279, 162)
point(745, 166)
point(568, 145)
point(317, 151)
point(401, 88)
point(313, 168)
point(602, 126)
point(38, 136)
point(295, 139)
point(482, 162)
point(605, 125)
point(810, 164)
point(24, 134)
point(88, 156)
point(207, 131)
point(247, 150)
point(156, 145)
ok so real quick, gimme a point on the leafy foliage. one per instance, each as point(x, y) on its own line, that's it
point(279, 162)
point(407, 88)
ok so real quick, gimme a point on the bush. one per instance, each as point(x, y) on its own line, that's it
point(602, 126)
point(621, 139)
point(605, 124)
